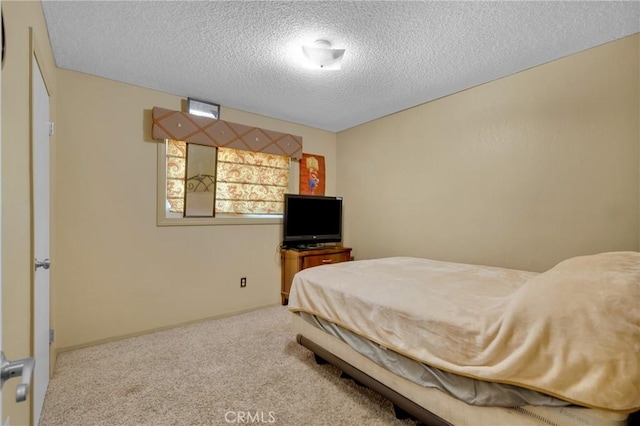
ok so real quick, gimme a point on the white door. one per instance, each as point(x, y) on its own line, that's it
point(2, 42)
point(40, 160)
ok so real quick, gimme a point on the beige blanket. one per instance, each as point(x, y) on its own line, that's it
point(572, 332)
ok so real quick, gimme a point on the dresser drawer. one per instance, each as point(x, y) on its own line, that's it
point(324, 259)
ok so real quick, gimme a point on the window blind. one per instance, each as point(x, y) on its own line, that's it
point(247, 183)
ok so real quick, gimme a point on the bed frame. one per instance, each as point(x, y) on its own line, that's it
point(403, 407)
point(431, 406)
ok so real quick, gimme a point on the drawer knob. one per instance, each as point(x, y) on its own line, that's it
point(326, 261)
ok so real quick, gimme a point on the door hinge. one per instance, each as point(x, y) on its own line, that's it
point(52, 128)
point(51, 336)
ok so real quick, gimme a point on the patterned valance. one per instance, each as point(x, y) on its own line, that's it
point(176, 125)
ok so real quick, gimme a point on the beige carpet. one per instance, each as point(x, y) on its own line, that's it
point(245, 369)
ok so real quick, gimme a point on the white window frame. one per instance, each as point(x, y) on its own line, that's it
point(161, 198)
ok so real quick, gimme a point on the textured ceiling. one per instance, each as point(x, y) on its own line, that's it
point(245, 54)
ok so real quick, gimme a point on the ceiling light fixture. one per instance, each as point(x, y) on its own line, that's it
point(320, 55)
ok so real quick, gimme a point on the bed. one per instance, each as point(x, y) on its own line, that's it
point(452, 343)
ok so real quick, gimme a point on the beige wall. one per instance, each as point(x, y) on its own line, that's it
point(17, 255)
point(117, 272)
point(521, 172)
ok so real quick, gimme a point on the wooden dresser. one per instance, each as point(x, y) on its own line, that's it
point(293, 261)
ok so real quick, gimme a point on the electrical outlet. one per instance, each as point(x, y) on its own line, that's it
point(243, 282)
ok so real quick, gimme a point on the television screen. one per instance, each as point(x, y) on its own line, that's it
point(311, 220)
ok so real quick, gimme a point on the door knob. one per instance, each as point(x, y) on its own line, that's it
point(20, 367)
point(46, 264)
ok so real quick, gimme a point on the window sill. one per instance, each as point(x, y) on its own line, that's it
point(209, 221)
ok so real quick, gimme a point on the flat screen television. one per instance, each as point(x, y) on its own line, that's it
point(311, 220)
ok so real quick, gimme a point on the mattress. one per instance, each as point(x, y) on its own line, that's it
point(565, 332)
point(448, 408)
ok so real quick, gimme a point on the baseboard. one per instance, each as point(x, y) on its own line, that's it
point(59, 351)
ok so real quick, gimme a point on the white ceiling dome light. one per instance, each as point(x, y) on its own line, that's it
point(320, 55)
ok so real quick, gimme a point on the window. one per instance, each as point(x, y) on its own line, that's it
point(243, 186)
